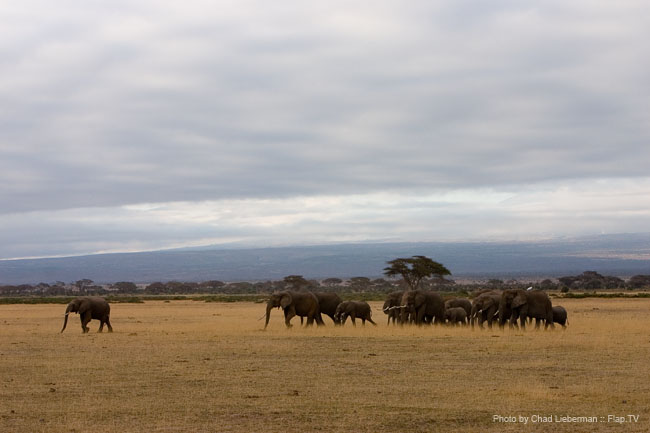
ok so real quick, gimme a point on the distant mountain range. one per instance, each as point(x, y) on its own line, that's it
point(620, 255)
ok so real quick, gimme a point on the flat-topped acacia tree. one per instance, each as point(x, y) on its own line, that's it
point(414, 269)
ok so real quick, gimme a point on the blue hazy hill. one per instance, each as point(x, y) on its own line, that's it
point(621, 255)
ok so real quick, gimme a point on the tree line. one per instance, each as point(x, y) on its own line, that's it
point(401, 275)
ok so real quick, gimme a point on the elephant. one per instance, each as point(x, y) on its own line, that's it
point(560, 316)
point(463, 303)
point(456, 315)
point(485, 307)
point(523, 304)
point(303, 304)
point(392, 306)
point(424, 307)
point(89, 308)
point(354, 309)
point(327, 303)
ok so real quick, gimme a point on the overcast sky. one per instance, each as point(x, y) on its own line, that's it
point(140, 125)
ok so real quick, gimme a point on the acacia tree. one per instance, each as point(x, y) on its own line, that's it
point(296, 282)
point(414, 269)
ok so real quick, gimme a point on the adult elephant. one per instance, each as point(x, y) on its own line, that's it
point(327, 302)
point(392, 306)
point(463, 303)
point(524, 304)
point(303, 304)
point(485, 307)
point(89, 308)
point(426, 306)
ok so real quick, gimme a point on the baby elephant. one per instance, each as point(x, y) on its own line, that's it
point(560, 316)
point(353, 309)
point(456, 315)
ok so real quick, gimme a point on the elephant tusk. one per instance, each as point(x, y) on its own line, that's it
point(393, 308)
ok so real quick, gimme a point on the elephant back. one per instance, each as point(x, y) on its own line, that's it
point(305, 303)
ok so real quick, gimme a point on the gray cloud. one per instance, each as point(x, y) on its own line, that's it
point(160, 102)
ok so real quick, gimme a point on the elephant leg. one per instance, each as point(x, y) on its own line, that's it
point(537, 323)
point(550, 323)
point(522, 320)
point(85, 319)
point(419, 318)
point(371, 321)
point(101, 325)
point(108, 323)
point(513, 320)
point(288, 315)
point(353, 317)
point(345, 318)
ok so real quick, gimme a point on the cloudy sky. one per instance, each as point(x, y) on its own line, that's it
point(140, 125)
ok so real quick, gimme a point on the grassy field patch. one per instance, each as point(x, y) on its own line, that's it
point(197, 366)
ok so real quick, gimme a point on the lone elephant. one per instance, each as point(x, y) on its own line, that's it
point(303, 304)
point(354, 309)
point(89, 308)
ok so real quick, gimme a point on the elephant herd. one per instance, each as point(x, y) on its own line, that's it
point(515, 306)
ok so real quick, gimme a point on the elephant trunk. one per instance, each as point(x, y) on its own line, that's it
point(472, 315)
point(403, 314)
point(502, 313)
point(65, 320)
point(269, 306)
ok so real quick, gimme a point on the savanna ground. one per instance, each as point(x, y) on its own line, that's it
point(187, 366)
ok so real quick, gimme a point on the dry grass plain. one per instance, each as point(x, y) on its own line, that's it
point(186, 366)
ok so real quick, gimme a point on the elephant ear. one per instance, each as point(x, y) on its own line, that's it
point(285, 301)
point(84, 306)
point(519, 300)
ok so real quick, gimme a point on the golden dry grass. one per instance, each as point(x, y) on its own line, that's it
point(186, 366)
